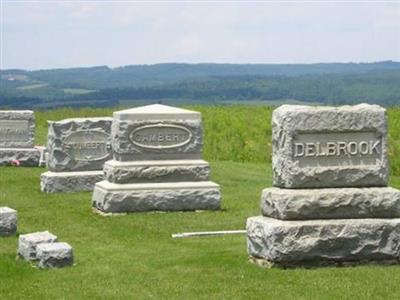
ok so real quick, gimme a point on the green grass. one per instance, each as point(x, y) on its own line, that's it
point(133, 256)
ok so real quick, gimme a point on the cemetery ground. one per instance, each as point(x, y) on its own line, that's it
point(133, 256)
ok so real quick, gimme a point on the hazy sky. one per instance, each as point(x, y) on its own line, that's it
point(55, 34)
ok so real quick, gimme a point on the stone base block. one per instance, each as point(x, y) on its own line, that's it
point(27, 243)
point(27, 157)
point(54, 255)
point(333, 203)
point(174, 196)
point(156, 171)
point(53, 182)
point(8, 221)
point(323, 242)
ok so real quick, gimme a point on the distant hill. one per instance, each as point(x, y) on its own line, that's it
point(327, 83)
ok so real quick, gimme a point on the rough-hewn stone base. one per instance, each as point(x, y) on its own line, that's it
point(175, 196)
point(263, 263)
point(8, 221)
point(290, 243)
point(28, 157)
point(333, 203)
point(53, 182)
point(156, 171)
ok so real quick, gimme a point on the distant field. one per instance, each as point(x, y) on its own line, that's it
point(32, 86)
point(240, 133)
point(77, 91)
point(270, 102)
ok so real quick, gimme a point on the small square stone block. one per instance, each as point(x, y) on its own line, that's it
point(28, 243)
point(8, 221)
point(54, 255)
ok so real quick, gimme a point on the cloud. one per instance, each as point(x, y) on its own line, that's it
point(60, 34)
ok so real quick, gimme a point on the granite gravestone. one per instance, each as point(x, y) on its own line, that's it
point(77, 150)
point(157, 163)
point(330, 203)
point(17, 134)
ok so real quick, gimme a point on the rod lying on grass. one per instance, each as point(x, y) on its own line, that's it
point(206, 233)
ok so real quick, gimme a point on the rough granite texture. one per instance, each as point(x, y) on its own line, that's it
point(19, 115)
point(290, 120)
point(54, 182)
point(125, 150)
point(296, 243)
point(29, 157)
point(333, 203)
point(27, 243)
point(60, 159)
point(54, 255)
point(156, 171)
point(8, 221)
point(186, 196)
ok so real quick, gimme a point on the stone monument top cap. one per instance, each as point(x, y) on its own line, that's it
point(17, 111)
point(92, 119)
point(350, 108)
point(158, 112)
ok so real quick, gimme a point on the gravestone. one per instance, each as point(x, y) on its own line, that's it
point(17, 134)
point(330, 203)
point(157, 163)
point(77, 149)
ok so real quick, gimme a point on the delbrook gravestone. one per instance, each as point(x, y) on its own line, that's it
point(330, 203)
point(17, 134)
point(77, 150)
point(157, 163)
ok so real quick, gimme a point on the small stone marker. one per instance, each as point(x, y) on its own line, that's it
point(17, 133)
point(157, 163)
point(8, 221)
point(77, 150)
point(27, 243)
point(54, 255)
point(349, 216)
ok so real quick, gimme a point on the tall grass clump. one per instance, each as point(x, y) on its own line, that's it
point(394, 139)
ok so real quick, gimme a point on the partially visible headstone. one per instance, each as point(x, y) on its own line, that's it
point(27, 243)
point(8, 221)
point(157, 163)
point(330, 204)
point(54, 255)
point(17, 134)
point(77, 150)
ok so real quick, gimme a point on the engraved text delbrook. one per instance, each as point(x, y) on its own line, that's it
point(330, 149)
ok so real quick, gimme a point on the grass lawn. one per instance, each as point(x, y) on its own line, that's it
point(134, 257)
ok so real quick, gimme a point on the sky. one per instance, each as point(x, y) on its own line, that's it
point(61, 34)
